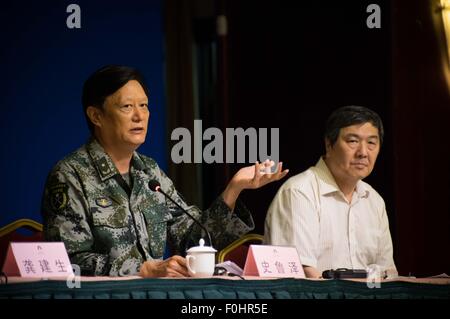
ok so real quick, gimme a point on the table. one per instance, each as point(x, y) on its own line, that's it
point(224, 288)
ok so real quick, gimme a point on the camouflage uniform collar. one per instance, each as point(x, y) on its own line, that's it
point(103, 162)
point(137, 162)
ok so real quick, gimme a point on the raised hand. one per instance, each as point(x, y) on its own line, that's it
point(252, 177)
point(258, 175)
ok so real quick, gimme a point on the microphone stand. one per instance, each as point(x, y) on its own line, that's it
point(158, 189)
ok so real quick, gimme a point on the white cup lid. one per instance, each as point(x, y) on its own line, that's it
point(201, 248)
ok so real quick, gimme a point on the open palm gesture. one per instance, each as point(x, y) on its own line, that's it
point(258, 175)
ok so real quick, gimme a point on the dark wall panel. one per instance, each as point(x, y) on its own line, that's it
point(44, 65)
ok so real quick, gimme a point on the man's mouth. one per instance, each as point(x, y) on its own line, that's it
point(137, 130)
point(359, 164)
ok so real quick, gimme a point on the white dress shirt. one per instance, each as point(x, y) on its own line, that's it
point(310, 212)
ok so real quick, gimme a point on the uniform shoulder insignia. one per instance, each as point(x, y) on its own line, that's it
point(58, 196)
point(104, 166)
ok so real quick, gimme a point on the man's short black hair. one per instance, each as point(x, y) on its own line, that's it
point(104, 82)
point(351, 115)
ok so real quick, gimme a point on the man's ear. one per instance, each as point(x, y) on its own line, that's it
point(328, 145)
point(94, 114)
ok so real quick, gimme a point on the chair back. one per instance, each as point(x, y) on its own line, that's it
point(11, 233)
point(237, 250)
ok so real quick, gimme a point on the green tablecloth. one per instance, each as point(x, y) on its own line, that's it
point(218, 288)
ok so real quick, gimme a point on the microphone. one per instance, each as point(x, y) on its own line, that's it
point(155, 186)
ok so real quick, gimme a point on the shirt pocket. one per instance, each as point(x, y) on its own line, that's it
point(112, 216)
point(110, 228)
point(156, 219)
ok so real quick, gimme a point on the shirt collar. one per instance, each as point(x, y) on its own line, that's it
point(328, 185)
point(103, 162)
point(362, 190)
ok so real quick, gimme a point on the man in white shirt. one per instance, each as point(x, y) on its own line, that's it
point(334, 218)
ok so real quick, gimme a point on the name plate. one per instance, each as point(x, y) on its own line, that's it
point(273, 261)
point(38, 259)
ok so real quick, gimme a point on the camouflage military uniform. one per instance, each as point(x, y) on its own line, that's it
point(107, 232)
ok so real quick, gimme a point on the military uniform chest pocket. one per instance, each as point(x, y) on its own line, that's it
point(113, 216)
point(156, 219)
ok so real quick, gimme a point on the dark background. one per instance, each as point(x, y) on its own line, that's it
point(43, 66)
point(288, 64)
point(284, 64)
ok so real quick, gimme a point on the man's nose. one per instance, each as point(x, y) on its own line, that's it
point(362, 150)
point(138, 113)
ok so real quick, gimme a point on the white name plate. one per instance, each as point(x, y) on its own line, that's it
point(37, 259)
point(273, 261)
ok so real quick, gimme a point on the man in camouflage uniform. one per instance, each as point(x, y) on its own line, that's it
point(107, 232)
point(98, 202)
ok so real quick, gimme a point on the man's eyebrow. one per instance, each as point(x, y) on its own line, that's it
point(359, 137)
point(351, 135)
point(130, 99)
